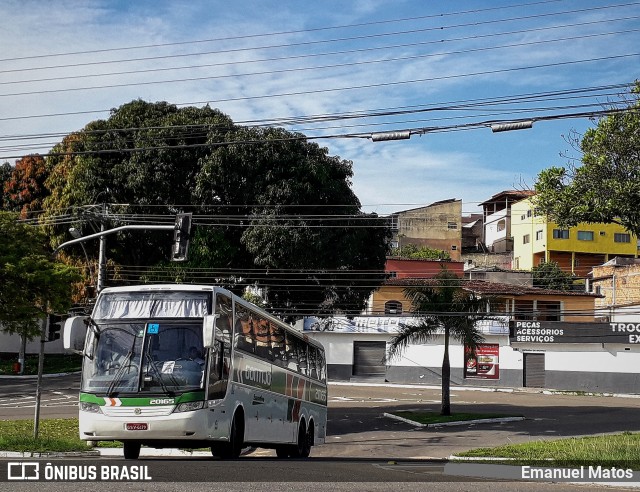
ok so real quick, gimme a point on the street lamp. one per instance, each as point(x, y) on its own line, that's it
point(513, 125)
point(396, 135)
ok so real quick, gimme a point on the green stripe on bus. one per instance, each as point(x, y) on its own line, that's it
point(143, 402)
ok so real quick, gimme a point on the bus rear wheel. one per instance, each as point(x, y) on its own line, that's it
point(131, 450)
point(283, 452)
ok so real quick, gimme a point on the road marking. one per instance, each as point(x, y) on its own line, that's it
point(30, 401)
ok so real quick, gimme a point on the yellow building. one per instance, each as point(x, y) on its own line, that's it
point(576, 250)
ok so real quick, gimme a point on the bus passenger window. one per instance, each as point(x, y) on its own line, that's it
point(291, 353)
point(244, 339)
point(313, 363)
point(263, 348)
point(303, 365)
point(277, 344)
point(322, 366)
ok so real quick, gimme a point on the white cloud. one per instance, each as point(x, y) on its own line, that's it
point(471, 165)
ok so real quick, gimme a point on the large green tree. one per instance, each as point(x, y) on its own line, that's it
point(606, 186)
point(442, 306)
point(32, 283)
point(270, 208)
point(144, 157)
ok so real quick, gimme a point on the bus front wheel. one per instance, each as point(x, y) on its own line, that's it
point(233, 448)
point(131, 450)
point(283, 452)
point(305, 440)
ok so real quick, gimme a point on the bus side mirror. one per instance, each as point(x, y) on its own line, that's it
point(75, 331)
point(209, 330)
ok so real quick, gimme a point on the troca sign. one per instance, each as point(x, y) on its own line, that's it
point(561, 332)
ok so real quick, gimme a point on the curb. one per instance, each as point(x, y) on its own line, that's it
point(37, 454)
point(453, 457)
point(451, 424)
point(488, 389)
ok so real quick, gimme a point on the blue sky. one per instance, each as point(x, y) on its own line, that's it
point(272, 60)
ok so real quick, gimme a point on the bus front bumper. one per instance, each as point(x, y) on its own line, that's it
point(175, 426)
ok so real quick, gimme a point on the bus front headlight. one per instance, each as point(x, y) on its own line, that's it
point(190, 406)
point(85, 406)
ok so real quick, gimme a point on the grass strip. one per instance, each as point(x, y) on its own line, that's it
point(54, 436)
point(620, 450)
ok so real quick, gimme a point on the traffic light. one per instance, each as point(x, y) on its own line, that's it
point(55, 327)
point(181, 236)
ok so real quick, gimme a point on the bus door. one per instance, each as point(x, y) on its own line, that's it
point(219, 366)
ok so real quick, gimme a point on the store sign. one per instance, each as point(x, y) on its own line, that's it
point(498, 325)
point(485, 364)
point(561, 332)
point(358, 324)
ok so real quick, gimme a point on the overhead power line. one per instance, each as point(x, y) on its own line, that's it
point(336, 65)
point(350, 27)
point(300, 137)
point(325, 54)
point(565, 94)
point(280, 33)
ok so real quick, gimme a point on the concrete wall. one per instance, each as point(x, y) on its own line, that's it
point(11, 344)
point(620, 285)
point(438, 226)
point(611, 368)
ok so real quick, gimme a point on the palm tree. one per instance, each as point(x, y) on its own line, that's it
point(442, 304)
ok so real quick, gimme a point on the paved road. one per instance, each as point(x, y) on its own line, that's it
point(59, 397)
point(358, 429)
point(365, 450)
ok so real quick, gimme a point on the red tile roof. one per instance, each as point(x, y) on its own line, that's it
point(491, 288)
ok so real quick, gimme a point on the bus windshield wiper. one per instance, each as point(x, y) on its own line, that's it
point(158, 374)
point(120, 373)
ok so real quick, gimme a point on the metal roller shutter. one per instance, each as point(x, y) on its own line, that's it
point(534, 376)
point(368, 358)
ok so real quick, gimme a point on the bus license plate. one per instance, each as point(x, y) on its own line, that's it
point(137, 426)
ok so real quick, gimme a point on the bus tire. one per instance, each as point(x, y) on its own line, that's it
point(131, 450)
point(283, 452)
point(303, 447)
point(233, 448)
point(236, 437)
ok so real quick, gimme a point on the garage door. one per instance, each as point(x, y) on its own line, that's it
point(368, 358)
point(534, 370)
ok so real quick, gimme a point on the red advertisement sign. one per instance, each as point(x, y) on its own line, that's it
point(485, 364)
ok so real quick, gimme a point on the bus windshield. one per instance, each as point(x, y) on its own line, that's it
point(151, 357)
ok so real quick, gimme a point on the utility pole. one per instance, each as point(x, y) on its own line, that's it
point(43, 334)
point(101, 259)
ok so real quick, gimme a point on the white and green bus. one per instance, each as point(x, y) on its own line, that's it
point(186, 366)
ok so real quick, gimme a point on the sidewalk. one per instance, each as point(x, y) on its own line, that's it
point(544, 391)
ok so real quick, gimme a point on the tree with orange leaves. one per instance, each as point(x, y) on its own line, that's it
point(25, 191)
